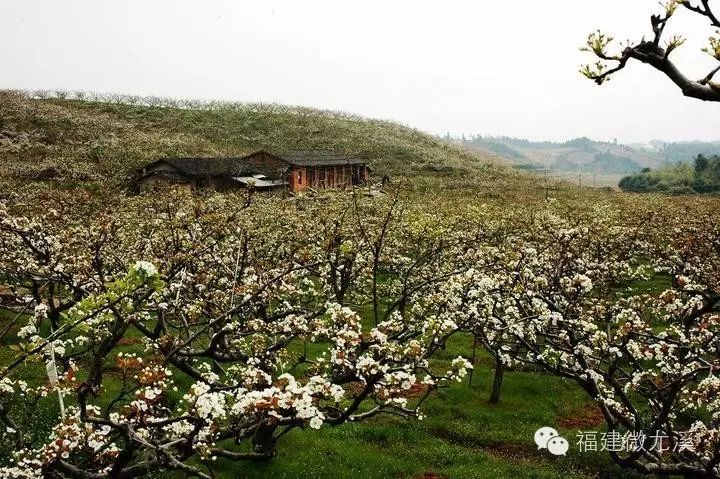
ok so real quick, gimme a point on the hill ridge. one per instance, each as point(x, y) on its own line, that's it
point(79, 137)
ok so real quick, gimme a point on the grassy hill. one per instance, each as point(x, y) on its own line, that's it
point(89, 137)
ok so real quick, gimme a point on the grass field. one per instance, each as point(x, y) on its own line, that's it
point(462, 435)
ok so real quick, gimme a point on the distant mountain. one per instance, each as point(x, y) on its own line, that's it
point(677, 152)
point(584, 155)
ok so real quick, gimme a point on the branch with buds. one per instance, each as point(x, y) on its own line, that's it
point(656, 55)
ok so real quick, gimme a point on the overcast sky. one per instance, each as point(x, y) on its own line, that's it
point(463, 66)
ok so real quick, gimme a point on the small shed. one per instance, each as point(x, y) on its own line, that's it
point(324, 170)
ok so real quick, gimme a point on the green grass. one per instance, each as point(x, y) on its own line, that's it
point(463, 436)
point(654, 284)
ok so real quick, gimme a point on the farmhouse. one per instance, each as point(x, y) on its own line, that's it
point(296, 171)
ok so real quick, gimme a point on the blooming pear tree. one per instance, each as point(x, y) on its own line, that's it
point(162, 332)
point(177, 327)
point(648, 361)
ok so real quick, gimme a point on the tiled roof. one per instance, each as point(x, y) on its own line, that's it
point(320, 158)
point(219, 167)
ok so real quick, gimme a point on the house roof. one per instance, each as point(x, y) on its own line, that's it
point(319, 158)
point(235, 167)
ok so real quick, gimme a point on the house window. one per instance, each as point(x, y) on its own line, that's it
point(299, 177)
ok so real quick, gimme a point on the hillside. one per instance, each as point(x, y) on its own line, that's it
point(89, 138)
point(583, 155)
point(578, 155)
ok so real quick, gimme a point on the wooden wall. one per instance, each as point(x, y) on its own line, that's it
point(326, 177)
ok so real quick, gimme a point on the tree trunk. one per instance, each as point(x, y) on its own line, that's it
point(264, 440)
point(376, 302)
point(472, 361)
point(497, 381)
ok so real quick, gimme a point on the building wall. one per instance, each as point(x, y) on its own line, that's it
point(328, 177)
point(219, 183)
point(162, 175)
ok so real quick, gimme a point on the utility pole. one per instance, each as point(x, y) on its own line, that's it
point(546, 186)
point(579, 180)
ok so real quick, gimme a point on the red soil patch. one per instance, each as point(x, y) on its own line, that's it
point(416, 391)
point(586, 417)
point(429, 475)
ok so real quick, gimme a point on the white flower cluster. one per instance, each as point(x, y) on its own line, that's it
point(69, 437)
point(289, 400)
point(146, 268)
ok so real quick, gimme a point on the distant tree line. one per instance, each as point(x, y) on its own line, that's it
point(481, 140)
point(700, 176)
point(678, 152)
point(192, 104)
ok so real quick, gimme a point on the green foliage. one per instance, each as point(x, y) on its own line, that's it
point(703, 176)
